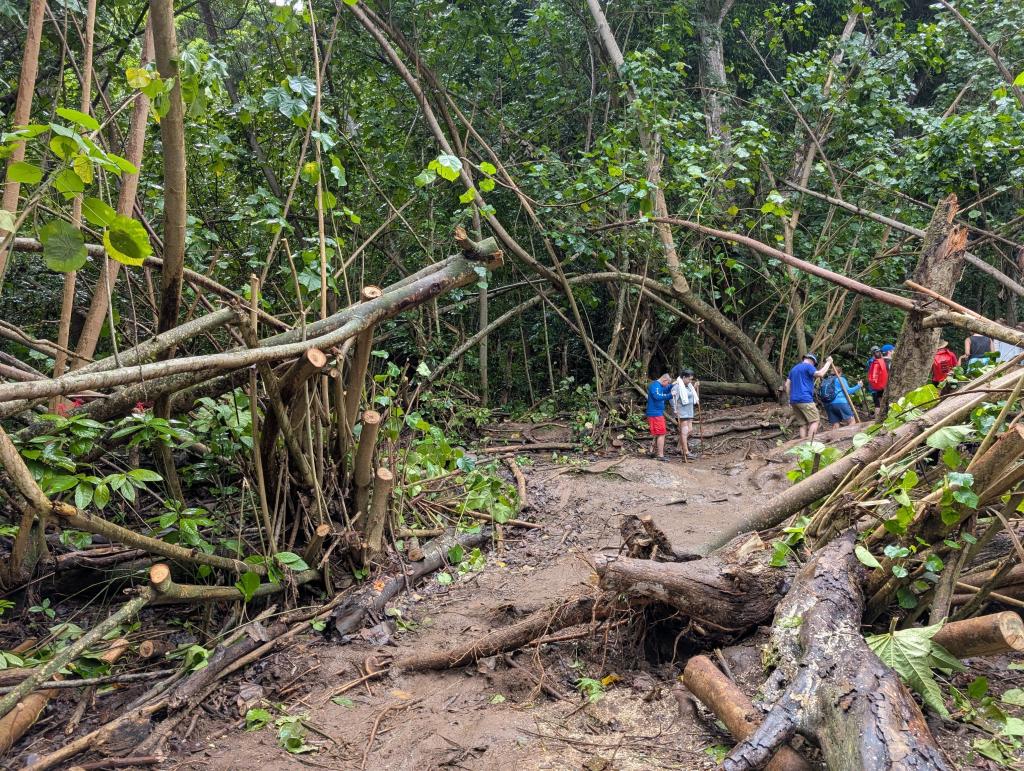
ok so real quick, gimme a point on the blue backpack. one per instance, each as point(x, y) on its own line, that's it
point(829, 389)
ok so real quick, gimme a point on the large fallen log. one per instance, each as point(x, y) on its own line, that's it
point(725, 593)
point(829, 686)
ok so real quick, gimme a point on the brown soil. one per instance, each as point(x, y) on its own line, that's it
point(493, 715)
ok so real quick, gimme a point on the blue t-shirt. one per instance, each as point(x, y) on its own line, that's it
point(657, 395)
point(801, 383)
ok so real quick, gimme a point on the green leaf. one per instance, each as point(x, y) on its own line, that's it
point(1013, 726)
point(101, 497)
point(83, 495)
point(949, 436)
point(247, 585)
point(449, 166)
point(25, 173)
point(866, 557)
point(291, 560)
point(468, 196)
point(7, 220)
point(97, 213)
point(145, 475)
point(423, 370)
point(68, 183)
point(302, 85)
point(444, 578)
point(615, 171)
point(63, 246)
point(87, 122)
point(425, 177)
point(1019, 80)
point(127, 241)
point(913, 654)
point(978, 687)
point(487, 184)
point(488, 168)
point(343, 701)
point(256, 718)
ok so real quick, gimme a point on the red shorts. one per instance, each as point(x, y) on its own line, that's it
point(657, 425)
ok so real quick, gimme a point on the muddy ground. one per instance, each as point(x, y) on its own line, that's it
point(494, 716)
point(528, 714)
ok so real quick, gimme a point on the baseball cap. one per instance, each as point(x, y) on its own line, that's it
point(888, 347)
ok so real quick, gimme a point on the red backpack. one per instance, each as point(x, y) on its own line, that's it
point(878, 375)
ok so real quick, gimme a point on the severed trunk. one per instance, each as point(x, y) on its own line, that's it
point(938, 269)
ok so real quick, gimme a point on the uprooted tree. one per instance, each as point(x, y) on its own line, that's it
point(250, 297)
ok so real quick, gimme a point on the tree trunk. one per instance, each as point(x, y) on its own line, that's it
point(22, 114)
point(711, 66)
point(723, 594)
point(938, 269)
point(134, 145)
point(829, 686)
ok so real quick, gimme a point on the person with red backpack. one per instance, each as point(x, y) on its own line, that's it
point(943, 363)
point(878, 375)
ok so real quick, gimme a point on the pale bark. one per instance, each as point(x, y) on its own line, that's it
point(89, 336)
point(22, 115)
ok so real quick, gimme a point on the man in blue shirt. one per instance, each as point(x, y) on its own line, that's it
point(658, 392)
point(800, 387)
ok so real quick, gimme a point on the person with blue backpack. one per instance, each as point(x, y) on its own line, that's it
point(833, 392)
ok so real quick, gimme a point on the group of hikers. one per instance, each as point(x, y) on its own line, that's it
point(683, 396)
point(834, 391)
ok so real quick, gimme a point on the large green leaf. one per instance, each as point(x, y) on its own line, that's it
point(85, 121)
point(68, 183)
point(449, 166)
point(25, 173)
point(913, 654)
point(63, 246)
point(949, 436)
point(97, 213)
point(126, 241)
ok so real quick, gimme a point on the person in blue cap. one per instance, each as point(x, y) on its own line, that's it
point(800, 387)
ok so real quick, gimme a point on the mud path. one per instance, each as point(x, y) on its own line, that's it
point(494, 715)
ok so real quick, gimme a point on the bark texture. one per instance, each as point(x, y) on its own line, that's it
point(829, 686)
point(938, 269)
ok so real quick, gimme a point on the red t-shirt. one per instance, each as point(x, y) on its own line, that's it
point(943, 364)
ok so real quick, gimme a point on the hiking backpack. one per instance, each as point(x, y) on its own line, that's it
point(829, 389)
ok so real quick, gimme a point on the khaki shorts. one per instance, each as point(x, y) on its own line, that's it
point(805, 413)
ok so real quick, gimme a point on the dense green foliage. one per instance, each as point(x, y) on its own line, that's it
point(915, 110)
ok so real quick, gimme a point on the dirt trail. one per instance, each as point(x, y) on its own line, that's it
point(492, 716)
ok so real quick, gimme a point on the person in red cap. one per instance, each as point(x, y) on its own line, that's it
point(943, 363)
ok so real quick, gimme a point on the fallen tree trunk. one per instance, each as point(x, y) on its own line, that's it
point(829, 686)
point(723, 697)
point(725, 593)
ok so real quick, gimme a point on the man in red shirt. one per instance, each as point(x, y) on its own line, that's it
point(943, 363)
